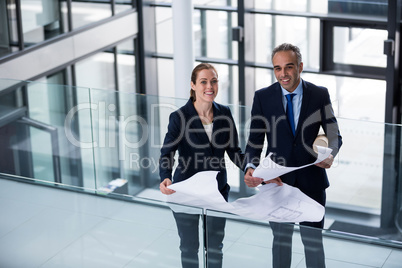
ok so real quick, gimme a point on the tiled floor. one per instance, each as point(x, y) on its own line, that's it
point(48, 227)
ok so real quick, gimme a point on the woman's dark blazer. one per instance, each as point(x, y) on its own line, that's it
point(186, 135)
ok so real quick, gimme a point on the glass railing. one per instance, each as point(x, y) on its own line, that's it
point(250, 243)
point(108, 143)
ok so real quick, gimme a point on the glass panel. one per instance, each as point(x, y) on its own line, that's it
point(87, 12)
point(349, 101)
point(92, 231)
point(123, 5)
point(96, 71)
point(243, 236)
point(269, 33)
point(354, 7)
point(4, 30)
point(118, 135)
point(41, 131)
point(78, 130)
point(263, 78)
point(44, 98)
point(126, 66)
point(105, 128)
point(222, 3)
point(348, 48)
point(370, 7)
point(264, 41)
point(360, 158)
point(166, 79)
point(125, 132)
point(48, 106)
point(316, 6)
point(164, 30)
point(344, 92)
point(213, 34)
point(40, 20)
point(9, 100)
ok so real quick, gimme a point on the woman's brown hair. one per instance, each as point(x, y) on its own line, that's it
point(194, 74)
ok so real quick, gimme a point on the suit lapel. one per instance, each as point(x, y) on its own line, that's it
point(304, 107)
point(218, 124)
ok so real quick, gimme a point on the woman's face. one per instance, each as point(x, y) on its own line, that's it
point(206, 86)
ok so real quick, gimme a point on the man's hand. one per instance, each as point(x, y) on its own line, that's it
point(326, 163)
point(254, 182)
point(163, 187)
point(277, 181)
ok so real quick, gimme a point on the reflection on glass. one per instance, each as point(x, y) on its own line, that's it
point(359, 46)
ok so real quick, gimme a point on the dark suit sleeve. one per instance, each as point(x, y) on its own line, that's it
point(170, 145)
point(256, 138)
point(330, 125)
point(233, 149)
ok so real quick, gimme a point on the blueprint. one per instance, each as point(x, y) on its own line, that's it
point(271, 202)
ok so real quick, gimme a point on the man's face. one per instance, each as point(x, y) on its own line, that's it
point(286, 70)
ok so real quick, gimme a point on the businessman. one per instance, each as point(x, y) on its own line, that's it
point(289, 113)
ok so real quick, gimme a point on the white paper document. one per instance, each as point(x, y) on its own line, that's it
point(268, 169)
point(271, 203)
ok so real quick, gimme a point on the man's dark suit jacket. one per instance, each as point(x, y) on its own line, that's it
point(186, 134)
point(269, 119)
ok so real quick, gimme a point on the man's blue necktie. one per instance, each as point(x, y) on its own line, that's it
point(289, 111)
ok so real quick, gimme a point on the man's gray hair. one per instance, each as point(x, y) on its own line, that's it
point(288, 47)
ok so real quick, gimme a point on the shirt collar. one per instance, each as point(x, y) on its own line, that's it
point(298, 90)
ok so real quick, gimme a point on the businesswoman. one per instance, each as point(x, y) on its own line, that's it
point(201, 131)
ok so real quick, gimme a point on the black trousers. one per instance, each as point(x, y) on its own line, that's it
point(311, 234)
point(214, 232)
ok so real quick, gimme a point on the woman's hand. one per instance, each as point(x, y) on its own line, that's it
point(163, 186)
